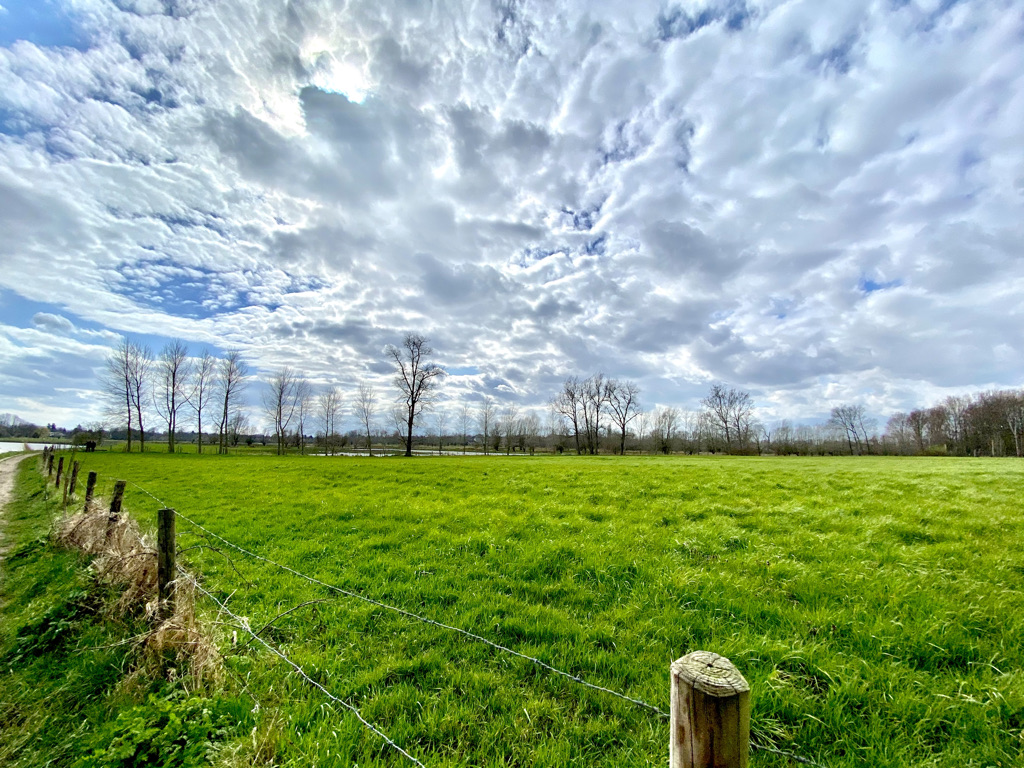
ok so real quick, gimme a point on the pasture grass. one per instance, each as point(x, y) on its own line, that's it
point(874, 604)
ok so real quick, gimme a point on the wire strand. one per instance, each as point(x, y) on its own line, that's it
point(417, 617)
point(301, 672)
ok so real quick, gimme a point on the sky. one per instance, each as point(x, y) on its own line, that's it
point(818, 203)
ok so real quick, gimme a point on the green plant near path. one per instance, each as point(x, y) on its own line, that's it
point(875, 605)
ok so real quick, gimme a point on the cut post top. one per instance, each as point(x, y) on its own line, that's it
point(710, 674)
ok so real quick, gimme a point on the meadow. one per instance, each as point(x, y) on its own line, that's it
point(875, 605)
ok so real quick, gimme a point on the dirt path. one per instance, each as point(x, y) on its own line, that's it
point(8, 468)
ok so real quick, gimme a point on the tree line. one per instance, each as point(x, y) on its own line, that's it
point(588, 415)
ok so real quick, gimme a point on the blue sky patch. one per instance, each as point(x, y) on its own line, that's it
point(43, 22)
point(870, 286)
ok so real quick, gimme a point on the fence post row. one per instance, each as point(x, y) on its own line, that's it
point(165, 562)
point(710, 726)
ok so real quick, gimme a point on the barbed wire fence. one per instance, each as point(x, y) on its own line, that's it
point(416, 617)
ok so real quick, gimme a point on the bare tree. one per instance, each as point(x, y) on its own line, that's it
point(624, 404)
point(329, 406)
point(239, 426)
point(731, 411)
point(852, 422)
point(231, 379)
point(642, 421)
point(465, 422)
point(173, 374)
point(303, 408)
point(569, 403)
point(366, 410)
point(117, 385)
point(508, 425)
point(485, 418)
point(665, 422)
point(279, 404)
point(440, 424)
point(416, 378)
point(201, 389)
point(529, 429)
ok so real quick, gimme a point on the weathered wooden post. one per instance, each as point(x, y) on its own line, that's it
point(60, 471)
point(90, 487)
point(710, 713)
point(49, 463)
point(73, 481)
point(165, 562)
point(115, 510)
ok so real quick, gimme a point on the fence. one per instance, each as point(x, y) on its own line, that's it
point(710, 699)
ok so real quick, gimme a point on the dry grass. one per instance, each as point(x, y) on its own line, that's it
point(125, 558)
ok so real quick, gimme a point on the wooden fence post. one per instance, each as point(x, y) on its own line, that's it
point(49, 463)
point(165, 562)
point(90, 487)
point(710, 713)
point(115, 510)
point(73, 481)
point(60, 471)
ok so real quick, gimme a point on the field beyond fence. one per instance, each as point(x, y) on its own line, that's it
point(874, 605)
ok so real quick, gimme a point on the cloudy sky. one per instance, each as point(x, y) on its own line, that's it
point(817, 202)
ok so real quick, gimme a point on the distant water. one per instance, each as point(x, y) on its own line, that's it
point(14, 447)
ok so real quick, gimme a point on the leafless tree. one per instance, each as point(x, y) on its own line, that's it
point(851, 421)
point(485, 418)
point(417, 379)
point(529, 429)
point(642, 421)
point(508, 426)
point(665, 423)
point(596, 391)
point(117, 385)
point(231, 377)
point(239, 426)
point(624, 404)
point(201, 389)
point(279, 404)
point(465, 423)
point(303, 409)
point(329, 407)
point(173, 375)
point(440, 424)
point(569, 403)
point(731, 411)
point(366, 410)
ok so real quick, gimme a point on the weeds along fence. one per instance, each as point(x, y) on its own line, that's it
point(709, 711)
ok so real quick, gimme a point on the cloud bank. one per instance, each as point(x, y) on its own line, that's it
point(819, 205)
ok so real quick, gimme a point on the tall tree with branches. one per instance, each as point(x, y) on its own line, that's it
point(485, 420)
point(329, 407)
point(624, 404)
point(232, 374)
point(279, 404)
point(200, 391)
point(173, 374)
point(416, 378)
point(366, 411)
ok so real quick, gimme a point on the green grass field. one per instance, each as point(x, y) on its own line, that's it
point(875, 605)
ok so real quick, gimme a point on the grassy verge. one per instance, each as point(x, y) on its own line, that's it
point(70, 693)
point(875, 605)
